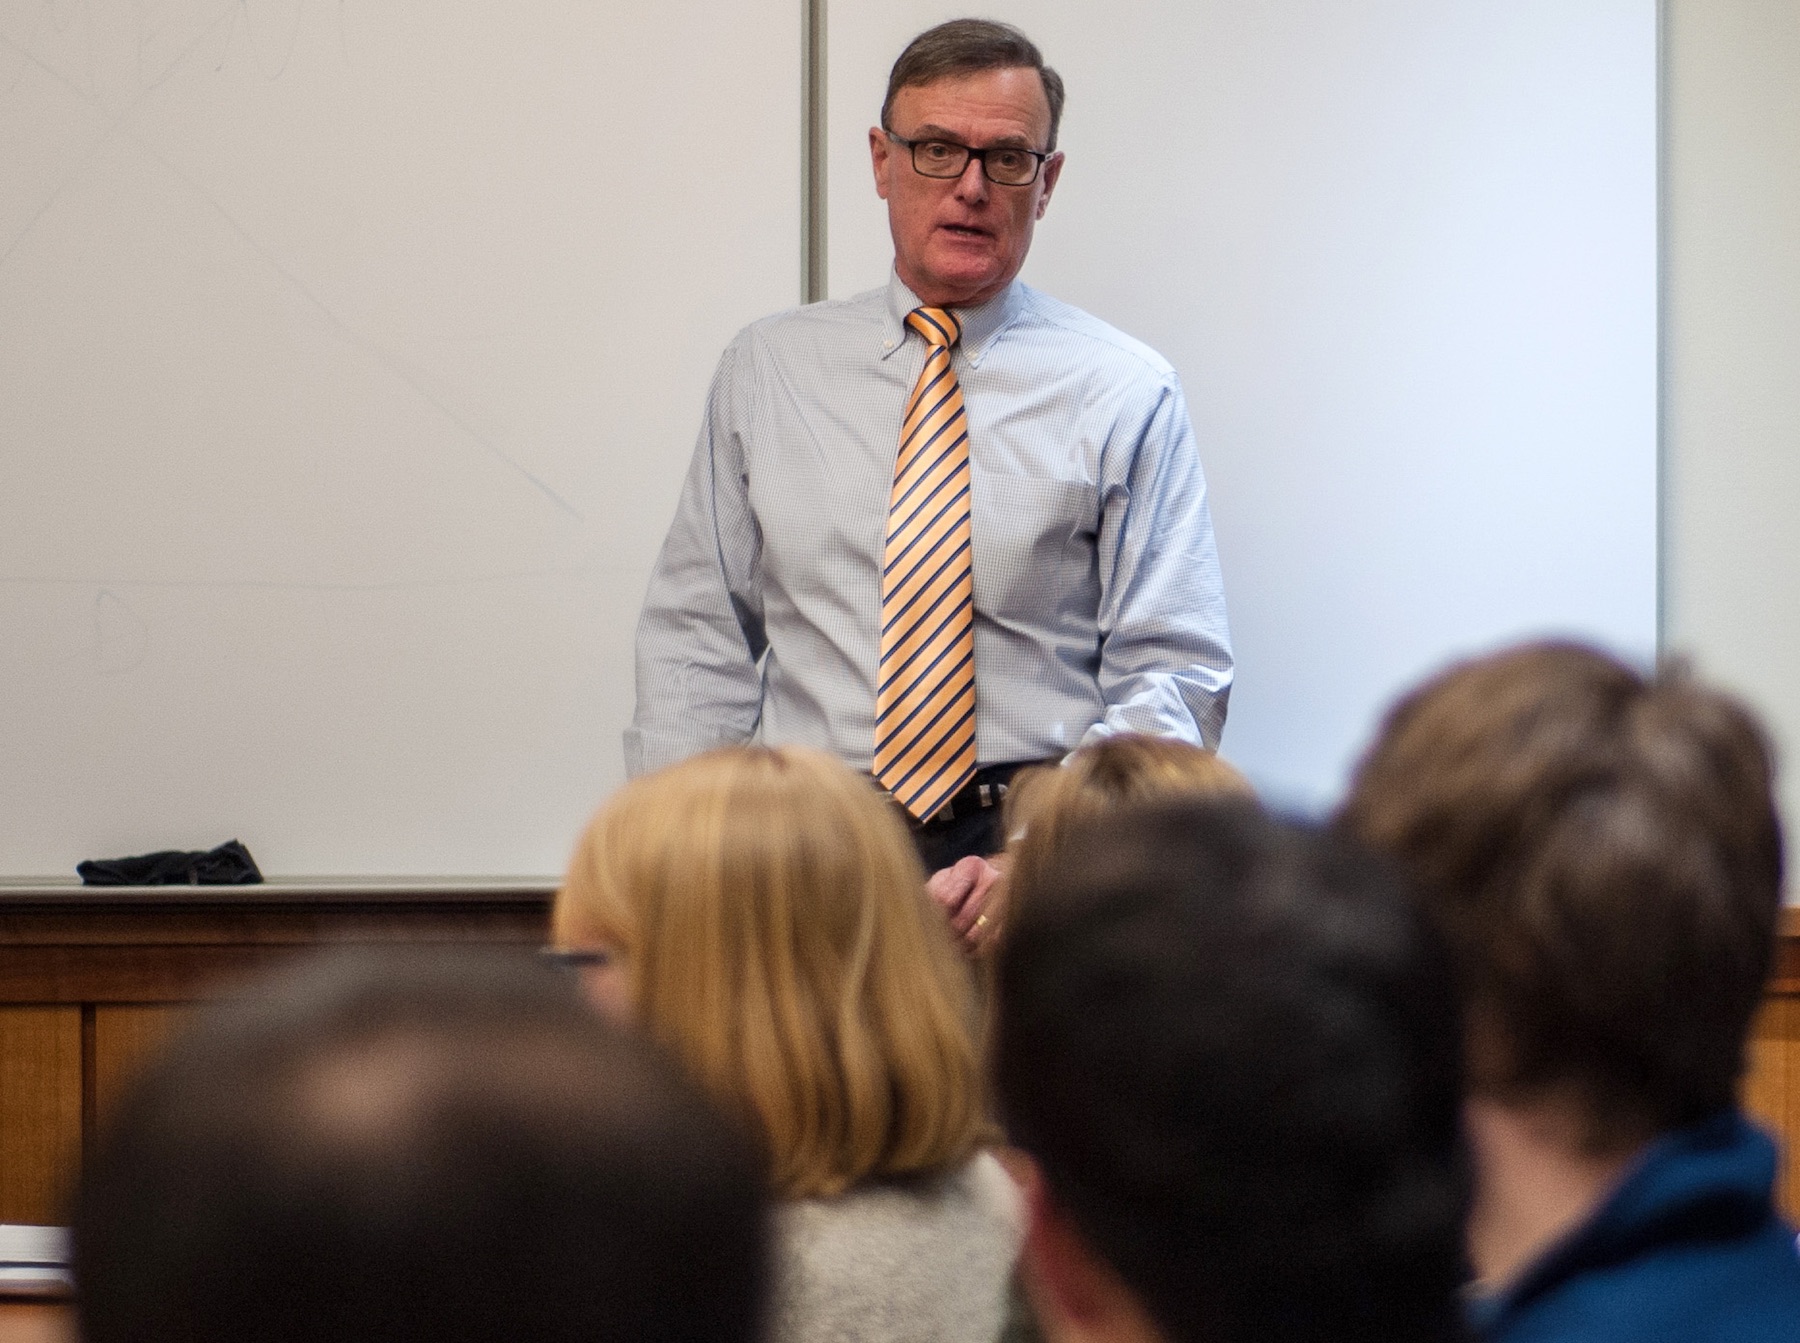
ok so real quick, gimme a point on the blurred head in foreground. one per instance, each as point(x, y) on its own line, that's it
point(1601, 851)
point(1101, 777)
point(448, 1149)
point(1231, 1048)
point(763, 914)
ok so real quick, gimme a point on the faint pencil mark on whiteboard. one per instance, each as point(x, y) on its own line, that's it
point(395, 367)
point(84, 47)
point(258, 32)
point(159, 35)
point(121, 638)
point(86, 161)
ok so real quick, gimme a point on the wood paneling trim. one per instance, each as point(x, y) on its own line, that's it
point(284, 891)
point(149, 919)
point(176, 974)
point(36, 1322)
point(40, 1109)
point(1772, 1087)
point(124, 1040)
point(1772, 1082)
point(1786, 977)
point(170, 944)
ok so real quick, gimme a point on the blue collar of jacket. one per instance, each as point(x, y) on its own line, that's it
point(1710, 1182)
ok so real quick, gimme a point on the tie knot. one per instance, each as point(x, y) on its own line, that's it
point(938, 325)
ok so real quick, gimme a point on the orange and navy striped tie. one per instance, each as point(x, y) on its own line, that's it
point(925, 691)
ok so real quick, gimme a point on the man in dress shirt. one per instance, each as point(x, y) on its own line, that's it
point(1097, 603)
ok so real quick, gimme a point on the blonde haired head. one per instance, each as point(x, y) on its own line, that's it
point(1128, 767)
point(771, 914)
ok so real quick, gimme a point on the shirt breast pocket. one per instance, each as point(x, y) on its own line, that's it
point(1034, 548)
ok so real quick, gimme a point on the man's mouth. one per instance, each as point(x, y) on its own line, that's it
point(965, 231)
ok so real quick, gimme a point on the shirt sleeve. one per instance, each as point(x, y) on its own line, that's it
point(700, 638)
point(1165, 648)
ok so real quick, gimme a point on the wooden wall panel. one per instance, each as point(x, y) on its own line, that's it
point(36, 1322)
point(1772, 1087)
point(40, 1108)
point(124, 1038)
point(91, 979)
point(55, 967)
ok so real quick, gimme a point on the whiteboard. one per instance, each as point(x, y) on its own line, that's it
point(351, 355)
point(1403, 254)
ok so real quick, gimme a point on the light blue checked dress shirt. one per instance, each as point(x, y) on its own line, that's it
point(1098, 603)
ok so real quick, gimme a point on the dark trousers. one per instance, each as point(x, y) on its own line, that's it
point(943, 844)
point(965, 826)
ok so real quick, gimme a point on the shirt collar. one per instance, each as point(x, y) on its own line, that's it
point(981, 326)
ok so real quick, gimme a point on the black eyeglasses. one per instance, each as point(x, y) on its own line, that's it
point(1002, 164)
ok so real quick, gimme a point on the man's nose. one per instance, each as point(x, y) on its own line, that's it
point(972, 186)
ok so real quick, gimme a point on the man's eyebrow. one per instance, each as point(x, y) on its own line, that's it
point(929, 131)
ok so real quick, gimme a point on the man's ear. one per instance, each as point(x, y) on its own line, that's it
point(1075, 1293)
point(1053, 167)
point(879, 149)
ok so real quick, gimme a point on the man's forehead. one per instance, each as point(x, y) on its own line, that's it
point(1011, 96)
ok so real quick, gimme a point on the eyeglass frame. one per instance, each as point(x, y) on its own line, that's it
point(970, 152)
point(576, 959)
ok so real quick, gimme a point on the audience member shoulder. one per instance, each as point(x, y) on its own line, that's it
point(893, 1260)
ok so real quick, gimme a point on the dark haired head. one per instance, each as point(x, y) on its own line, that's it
point(447, 1149)
point(1602, 851)
point(967, 47)
point(1232, 1048)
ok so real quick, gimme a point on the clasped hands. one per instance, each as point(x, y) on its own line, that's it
point(972, 894)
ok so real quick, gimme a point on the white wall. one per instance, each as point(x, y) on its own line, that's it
point(1732, 353)
point(1404, 256)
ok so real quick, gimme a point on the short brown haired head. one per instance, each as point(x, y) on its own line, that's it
point(1603, 853)
point(967, 47)
point(772, 917)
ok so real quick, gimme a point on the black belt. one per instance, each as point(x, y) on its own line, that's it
point(987, 788)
